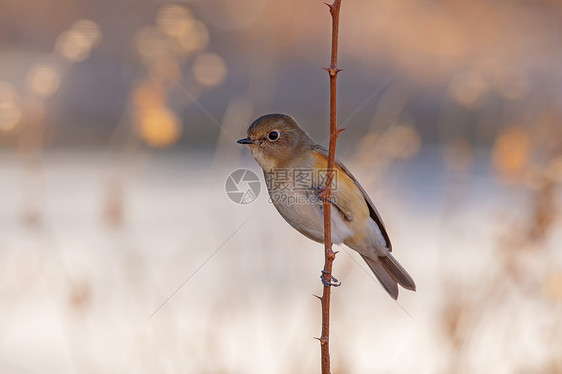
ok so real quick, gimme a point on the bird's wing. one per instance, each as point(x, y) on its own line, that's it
point(372, 209)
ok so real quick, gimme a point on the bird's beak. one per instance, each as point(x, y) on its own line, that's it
point(246, 141)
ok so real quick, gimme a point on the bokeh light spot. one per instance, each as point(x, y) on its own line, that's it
point(402, 142)
point(196, 38)
point(149, 95)
point(73, 46)
point(89, 30)
point(209, 69)
point(174, 20)
point(76, 44)
point(159, 127)
point(43, 80)
point(467, 88)
point(10, 112)
point(511, 152)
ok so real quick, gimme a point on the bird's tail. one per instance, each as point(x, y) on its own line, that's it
point(390, 273)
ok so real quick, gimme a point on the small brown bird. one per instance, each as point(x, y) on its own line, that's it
point(294, 167)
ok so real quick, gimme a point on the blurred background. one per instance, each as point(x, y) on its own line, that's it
point(121, 252)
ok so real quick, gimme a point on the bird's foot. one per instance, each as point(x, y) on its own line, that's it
point(322, 195)
point(333, 282)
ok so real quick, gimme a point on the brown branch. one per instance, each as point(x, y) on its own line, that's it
point(330, 255)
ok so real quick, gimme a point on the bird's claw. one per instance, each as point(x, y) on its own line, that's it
point(333, 282)
point(321, 192)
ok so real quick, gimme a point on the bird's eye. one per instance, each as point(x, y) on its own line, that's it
point(273, 136)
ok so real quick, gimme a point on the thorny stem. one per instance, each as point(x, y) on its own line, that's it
point(330, 255)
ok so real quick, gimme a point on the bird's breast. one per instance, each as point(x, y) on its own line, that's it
point(294, 193)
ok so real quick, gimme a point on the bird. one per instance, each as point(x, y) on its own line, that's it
point(294, 168)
